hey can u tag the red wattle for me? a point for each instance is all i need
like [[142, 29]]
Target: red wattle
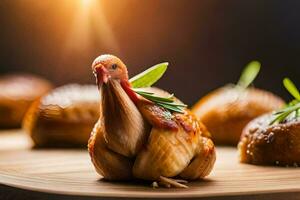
[[127, 88]]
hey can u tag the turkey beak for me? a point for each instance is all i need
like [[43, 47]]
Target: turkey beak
[[102, 74]]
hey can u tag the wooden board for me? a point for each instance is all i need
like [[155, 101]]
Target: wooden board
[[70, 172]]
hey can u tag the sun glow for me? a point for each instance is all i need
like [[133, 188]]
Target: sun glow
[[87, 2], [90, 22]]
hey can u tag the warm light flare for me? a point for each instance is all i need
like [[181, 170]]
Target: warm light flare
[[90, 22], [87, 3]]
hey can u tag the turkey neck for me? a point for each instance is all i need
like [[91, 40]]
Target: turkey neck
[[124, 127]]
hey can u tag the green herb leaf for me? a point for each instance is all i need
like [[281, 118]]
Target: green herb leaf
[[154, 97], [290, 86], [165, 102], [292, 107], [149, 77], [297, 113], [293, 102], [249, 74], [172, 108], [281, 115], [138, 90]]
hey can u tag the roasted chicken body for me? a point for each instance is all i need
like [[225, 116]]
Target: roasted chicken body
[[265, 144], [136, 138], [226, 111], [64, 117], [17, 92]]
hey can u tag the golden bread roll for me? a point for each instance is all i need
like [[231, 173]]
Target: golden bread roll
[[227, 110], [64, 117], [17, 92]]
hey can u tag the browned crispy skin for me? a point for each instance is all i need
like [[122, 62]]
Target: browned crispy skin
[[111, 165], [176, 145], [227, 110], [135, 138], [17, 93], [264, 144], [187, 152], [203, 161], [156, 116], [119, 134], [64, 117]]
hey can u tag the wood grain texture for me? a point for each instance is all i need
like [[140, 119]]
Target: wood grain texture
[[68, 172]]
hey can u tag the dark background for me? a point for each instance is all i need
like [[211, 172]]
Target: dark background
[[207, 42]]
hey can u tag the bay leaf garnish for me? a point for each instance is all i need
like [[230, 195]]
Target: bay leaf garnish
[[149, 76]]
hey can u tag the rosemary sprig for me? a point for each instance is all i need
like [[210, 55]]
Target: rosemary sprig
[[281, 115], [165, 102], [249, 74], [292, 108]]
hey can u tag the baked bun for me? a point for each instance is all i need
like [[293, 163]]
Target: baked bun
[[63, 118], [227, 110], [18, 91], [265, 144]]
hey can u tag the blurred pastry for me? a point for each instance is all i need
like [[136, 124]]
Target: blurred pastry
[[274, 138], [227, 110], [18, 91], [64, 117]]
